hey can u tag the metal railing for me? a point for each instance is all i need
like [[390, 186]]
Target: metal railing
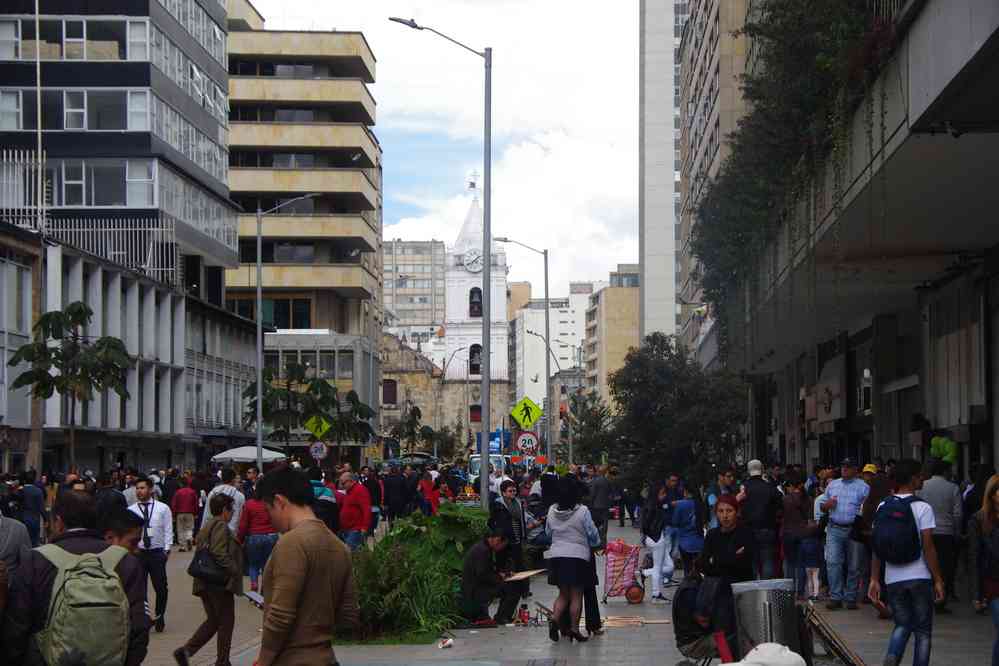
[[147, 245], [886, 10], [22, 199]]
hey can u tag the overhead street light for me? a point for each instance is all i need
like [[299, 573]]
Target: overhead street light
[[548, 339], [487, 55]]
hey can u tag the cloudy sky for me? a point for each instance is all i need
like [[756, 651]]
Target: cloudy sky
[[565, 110]]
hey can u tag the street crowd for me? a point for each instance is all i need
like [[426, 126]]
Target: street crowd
[[78, 552]]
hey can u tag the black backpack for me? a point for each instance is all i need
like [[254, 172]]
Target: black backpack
[[896, 537]]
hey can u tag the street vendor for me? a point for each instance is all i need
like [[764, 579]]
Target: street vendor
[[481, 582]]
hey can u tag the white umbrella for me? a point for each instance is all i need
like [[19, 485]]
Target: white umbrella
[[247, 454]]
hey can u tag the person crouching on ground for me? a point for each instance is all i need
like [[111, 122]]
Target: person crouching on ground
[[481, 582]]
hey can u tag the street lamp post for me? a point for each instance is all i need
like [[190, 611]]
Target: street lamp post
[[260, 323], [548, 340], [487, 258]]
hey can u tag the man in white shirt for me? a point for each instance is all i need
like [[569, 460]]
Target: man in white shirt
[[154, 546], [228, 487], [911, 587]]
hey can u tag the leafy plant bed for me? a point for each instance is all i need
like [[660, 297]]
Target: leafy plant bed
[[408, 583]]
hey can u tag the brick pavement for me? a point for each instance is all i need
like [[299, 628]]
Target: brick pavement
[[960, 639]]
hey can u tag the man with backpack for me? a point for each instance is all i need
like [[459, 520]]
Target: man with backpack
[[77, 597], [903, 540]]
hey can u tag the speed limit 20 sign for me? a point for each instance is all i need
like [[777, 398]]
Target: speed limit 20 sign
[[527, 443]]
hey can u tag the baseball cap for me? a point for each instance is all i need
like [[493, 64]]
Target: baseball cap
[[754, 467], [870, 467], [848, 462]]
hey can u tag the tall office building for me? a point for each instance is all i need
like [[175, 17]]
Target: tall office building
[[414, 288], [660, 26], [711, 103]]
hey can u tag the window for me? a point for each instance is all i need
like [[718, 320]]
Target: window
[[10, 109], [105, 183], [138, 40], [475, 302], [10, 42], [72, 183], [74, 40], [139, 183], [197, 82], [106, 40], [475, 360], [475, 414], [105, 110], [301, 313], [345, 365], [138, 110], [74, 109], [390, 391]]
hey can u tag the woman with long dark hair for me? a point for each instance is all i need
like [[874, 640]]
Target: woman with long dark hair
[[983, 546], [654, 527], [573, 535]]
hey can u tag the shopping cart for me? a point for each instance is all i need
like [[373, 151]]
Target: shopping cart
[[622, 577]]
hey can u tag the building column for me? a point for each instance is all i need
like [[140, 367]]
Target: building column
[[131, 324], [95, 329], [53, 301], [114, 329], [179, 359]]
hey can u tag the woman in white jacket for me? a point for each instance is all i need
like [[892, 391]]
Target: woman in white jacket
[[573, 535]]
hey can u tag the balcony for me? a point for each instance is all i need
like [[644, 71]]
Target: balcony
[[322, 92], [352, 182], [349, 50], [311, 136], [347, 280], [352, 230]]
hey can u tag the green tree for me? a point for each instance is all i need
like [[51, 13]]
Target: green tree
[[410, 429], [289, 402], [66, 361], [673, 416], [592, 426]]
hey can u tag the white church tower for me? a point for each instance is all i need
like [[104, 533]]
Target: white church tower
[[463, 317]]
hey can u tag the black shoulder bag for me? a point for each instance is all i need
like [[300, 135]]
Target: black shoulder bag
[[206, 568]]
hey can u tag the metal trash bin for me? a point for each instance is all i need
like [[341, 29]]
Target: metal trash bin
[[765, 612]]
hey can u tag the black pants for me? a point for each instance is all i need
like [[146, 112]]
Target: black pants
[[622, 506], [154, 562], [591, 606], [946, 546], [476, 605]]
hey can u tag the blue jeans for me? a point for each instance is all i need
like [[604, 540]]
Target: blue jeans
[[839, 555], [353, 538], [994, 608], [912, 604], [258, 549], [34, 525], [792, 563], [765, 564]]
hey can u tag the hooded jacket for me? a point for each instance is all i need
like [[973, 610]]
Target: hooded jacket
[[572, 531]]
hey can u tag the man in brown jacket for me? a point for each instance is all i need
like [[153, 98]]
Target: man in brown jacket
[[308, 585]]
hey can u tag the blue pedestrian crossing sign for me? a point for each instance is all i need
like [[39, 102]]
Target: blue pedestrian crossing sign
[[526, 413]]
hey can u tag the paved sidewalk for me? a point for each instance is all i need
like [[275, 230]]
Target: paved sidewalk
[[960, 639]]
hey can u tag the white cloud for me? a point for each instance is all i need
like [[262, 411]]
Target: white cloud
[[565, 94]]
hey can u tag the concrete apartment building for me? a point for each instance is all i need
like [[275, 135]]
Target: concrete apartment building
[[529, 352], [660, 26], [414, 288], [300, 111], [300, 115], [136, 221], [711, 104], [612, 327]]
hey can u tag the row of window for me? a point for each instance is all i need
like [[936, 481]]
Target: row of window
[[407, 269], [285, 70], [191, 203], [201, 26], [265, 114], [280, 313], [324, 363], [100, 109], [297, 252], [175, 129], [408, 283], [75, 38], [101, 182], [172, 61]]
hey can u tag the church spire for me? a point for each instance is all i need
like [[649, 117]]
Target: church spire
[[470, 235]]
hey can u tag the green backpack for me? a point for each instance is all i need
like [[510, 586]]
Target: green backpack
[[89, 610]]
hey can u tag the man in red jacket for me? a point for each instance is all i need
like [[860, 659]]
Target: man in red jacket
[[184, 507], [355, 511]]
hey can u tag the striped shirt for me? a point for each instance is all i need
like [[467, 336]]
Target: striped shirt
[[850, 496]]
